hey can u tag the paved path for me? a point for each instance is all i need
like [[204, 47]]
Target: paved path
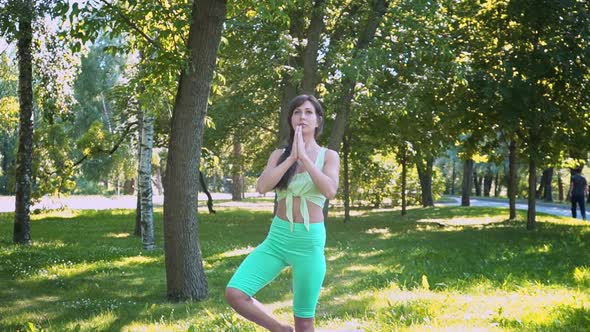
[[545, 208], [97, 202]]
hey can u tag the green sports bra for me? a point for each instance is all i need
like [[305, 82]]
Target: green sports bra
[[302, 186]]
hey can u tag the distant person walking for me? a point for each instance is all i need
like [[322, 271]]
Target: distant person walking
[[578, 193]]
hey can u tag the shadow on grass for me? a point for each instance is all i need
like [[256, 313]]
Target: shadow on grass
[[503, 255], [562, 319], [91, 253], [371, 252]]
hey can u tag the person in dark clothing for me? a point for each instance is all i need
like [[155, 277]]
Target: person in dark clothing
[[578, 193]]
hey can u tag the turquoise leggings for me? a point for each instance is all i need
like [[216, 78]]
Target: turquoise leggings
[[302, 250]]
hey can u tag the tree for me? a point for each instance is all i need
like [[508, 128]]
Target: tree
[[24, 36], [531, 64], [185, 275]]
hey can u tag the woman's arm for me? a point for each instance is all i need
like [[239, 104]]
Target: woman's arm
[[273, 173], [327, 179]]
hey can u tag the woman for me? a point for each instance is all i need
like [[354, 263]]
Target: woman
[[304, 176]]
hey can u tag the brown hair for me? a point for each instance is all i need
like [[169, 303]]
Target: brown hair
[[293, 104]]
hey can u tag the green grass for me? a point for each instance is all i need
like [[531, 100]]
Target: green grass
[[444, 269]]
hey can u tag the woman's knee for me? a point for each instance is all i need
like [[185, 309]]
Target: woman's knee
[[234, 295]]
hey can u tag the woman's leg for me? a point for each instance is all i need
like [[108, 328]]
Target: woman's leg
[[304, 324], [308, 276], [253, 310], [256, 271]]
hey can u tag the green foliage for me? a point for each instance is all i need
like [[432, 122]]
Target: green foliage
[[52, 164], [377, 180], [9, 111]]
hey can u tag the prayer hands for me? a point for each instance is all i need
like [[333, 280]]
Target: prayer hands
[[301, 153], [298, 152]]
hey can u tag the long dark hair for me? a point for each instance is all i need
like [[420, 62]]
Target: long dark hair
[[293, 104]]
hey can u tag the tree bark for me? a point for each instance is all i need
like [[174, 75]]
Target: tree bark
[[560, 186], [346, 176], [548, 191], [137, 231], [497, 184], [404, 179], [185, 275], [310, 54], [454, 177], [466, 186], [512, 180], [22, 225], [487, 182], [237, 176], [145, 183], [425, 176], [477, 181], [206, 191], [531, 213]]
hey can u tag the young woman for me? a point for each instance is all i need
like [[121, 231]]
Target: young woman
[[304, 175]]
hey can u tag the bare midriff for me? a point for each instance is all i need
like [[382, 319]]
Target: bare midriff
[[316, 213]]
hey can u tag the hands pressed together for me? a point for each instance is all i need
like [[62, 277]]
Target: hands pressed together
[[298, 150]]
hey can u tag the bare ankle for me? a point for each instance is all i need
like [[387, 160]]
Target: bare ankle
[[286, 328]]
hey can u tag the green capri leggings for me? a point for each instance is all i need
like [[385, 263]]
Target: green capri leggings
[[301, 249]]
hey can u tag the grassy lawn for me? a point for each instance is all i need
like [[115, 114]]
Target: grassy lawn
[[444, 269]]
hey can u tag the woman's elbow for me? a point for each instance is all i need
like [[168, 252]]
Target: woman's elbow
[[261, 189], [331, 193]]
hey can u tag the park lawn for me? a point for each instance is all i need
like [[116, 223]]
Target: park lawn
[[444, 269]]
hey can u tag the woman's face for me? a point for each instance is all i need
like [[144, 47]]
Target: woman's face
[[305, 116]]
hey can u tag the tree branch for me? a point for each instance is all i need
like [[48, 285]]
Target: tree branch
[[130, 24], [114, 148]]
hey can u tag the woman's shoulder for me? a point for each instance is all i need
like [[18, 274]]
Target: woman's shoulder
[[330, 153]]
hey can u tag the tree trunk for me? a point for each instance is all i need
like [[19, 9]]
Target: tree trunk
[[137, 231], [454, 177], [539, 190], [487, 182], [497, 184], [145, 183], [289, 92], [404, 179], [206, 191], [425, 175], [310, 54], [185, 276], [22, 225], [346, 176], [237, 177], [531, 213], [466, 186], [350, 80], [559, 186], [157, 180], [288, 83], [512, 180], [477, 180], [548, 191]]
